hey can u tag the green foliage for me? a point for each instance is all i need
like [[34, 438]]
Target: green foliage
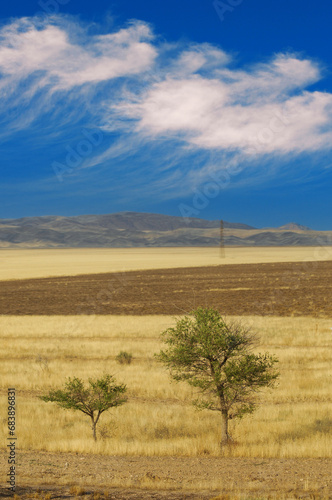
[[100, 395], [214, 357], [124, 358]]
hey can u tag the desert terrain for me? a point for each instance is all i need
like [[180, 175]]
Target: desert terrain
[[157, 445]]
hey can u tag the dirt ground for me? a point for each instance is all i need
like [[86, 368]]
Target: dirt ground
[[284, 289], [66, 475]]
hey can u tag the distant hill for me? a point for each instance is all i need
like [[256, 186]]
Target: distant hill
[[133, 229], [124, 220], [292, 226]]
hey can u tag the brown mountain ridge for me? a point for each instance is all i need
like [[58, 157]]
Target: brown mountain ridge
[[135, 229]]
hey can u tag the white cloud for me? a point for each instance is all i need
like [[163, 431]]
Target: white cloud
[[199, 57], [29, 46], [171, 108], [261, 110]]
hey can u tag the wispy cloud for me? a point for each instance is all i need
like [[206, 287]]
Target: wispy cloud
[[63, 55], [45, 63], [175, 113]]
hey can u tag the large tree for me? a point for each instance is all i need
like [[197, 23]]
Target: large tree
[[101, 395], [216, 357]]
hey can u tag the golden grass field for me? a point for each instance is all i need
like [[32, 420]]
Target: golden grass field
[[157, 441], [21, 264], [38, 353]]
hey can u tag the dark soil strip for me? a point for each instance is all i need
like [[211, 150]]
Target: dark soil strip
[[278, 289]]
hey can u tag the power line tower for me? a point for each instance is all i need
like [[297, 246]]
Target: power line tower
[[222, 243]]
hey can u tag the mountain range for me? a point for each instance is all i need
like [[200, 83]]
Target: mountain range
[[133, 229]]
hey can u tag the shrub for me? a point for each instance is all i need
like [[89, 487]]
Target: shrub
[[124, 358]]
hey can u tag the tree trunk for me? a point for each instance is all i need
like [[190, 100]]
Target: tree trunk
[[94, 429], [225, 437]]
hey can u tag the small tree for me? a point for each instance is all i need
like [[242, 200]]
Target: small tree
[[214, 356], [101, 395]]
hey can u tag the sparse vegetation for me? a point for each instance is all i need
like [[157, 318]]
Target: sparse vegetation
[[303, 396], [215, 357], [101, 395], [292, 423]]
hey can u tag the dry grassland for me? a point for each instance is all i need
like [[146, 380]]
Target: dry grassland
[[157, 445], [38, 353], [23, 264]]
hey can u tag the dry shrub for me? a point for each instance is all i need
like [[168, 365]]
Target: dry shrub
[[124, 358]]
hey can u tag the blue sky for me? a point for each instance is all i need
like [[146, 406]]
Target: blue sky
[[217, 109]]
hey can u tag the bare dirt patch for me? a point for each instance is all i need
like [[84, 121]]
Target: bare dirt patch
[[171, 478], [279, 289]]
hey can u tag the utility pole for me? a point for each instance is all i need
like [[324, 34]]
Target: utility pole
[[222, 243]]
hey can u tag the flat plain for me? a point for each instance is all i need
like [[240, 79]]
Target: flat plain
[[40, 263], [157, 445]]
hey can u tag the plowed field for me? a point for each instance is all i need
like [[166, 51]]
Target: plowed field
[[170, 478], [284, 289]]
